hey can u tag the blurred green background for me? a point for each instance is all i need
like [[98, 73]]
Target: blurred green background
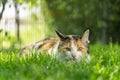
[[102, 17]]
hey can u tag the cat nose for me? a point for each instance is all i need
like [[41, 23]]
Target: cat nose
[[73, 55]]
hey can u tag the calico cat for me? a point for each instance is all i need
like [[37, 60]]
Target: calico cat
[[65, 47]]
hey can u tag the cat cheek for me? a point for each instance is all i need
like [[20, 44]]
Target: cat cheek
[[79, 54], [68, 55]]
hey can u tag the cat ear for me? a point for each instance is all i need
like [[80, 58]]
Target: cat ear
[[60, 35], [85, 37]]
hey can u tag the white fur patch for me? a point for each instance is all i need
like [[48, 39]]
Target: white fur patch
[[73, 47], [88, 58], [78, 54], [55, 48], [53, 51]]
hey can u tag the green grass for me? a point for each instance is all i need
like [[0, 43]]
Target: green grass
[[104, 65]]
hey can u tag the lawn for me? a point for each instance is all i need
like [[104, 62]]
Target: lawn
[[104, 65]]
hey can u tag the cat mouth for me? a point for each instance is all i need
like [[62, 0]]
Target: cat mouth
[[72, 59]]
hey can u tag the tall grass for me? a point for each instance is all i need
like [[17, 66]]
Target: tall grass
[[104, 65]]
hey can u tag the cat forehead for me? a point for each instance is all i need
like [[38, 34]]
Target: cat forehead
[[73, 37], [76, 40]]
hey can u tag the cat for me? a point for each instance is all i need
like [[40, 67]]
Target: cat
[[65, 47]]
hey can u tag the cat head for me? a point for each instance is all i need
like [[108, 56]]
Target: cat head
[[73, 47]]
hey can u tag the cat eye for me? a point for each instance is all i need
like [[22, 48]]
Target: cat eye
[[68, 49], [80, 48]]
